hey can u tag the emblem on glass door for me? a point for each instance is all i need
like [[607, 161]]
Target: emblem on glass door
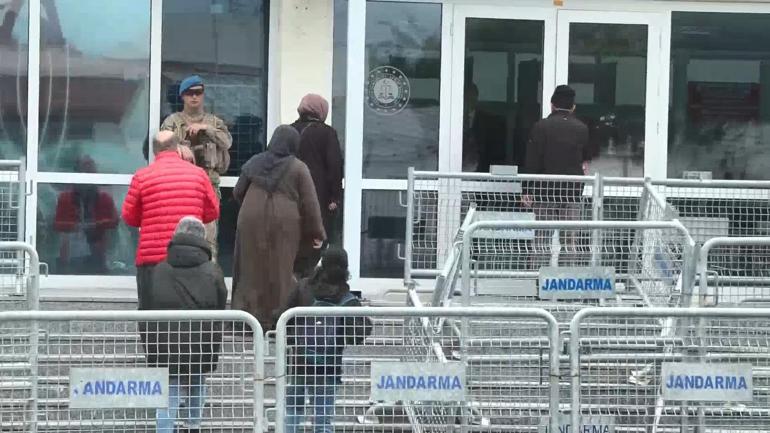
[[388, 90]]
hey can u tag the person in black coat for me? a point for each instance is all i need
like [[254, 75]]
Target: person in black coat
[[318, 342], [186, 280]]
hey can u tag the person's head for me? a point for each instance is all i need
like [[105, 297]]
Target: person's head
[[471, 97], [164, 141], [563, 98], [313, 107], [285, 141], [191, 226], [191, 90], [334, 266], [85, 164]]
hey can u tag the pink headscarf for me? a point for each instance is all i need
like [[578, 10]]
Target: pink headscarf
[[313, 106]]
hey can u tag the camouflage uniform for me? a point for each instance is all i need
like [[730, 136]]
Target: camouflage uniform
[[211, 153]]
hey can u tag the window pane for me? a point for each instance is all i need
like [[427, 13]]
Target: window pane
[[503, 88], [94, 84], [608, 70], [340, 68], [80, 232], [14, 23], [403, 64], [720, 95], [226, 44], [384, 226]]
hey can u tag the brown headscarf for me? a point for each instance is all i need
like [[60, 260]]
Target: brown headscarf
[[313, 107]]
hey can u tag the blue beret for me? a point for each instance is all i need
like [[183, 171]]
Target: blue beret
[[191, 81]]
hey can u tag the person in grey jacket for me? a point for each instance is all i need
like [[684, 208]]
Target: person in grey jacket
[[187, 280]]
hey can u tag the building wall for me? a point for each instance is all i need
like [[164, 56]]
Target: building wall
[[305, 52]]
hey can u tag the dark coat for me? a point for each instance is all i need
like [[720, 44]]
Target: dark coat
[[186, 280], [558, 145], [351, 330], [319, 149]]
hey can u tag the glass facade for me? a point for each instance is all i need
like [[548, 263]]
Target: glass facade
[[14, 47], [719, 116], [225, 42], [403, 85], [94, 90], [80, 232], [383, 225]]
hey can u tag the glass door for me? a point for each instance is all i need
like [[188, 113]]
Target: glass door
[[612, 60], [503, 66]]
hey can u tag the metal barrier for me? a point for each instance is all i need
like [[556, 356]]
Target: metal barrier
[[19, 274], [407, 374], [438, 202], [655, 259], [13, 197], [734, 272], [671, 369], [79, 371]]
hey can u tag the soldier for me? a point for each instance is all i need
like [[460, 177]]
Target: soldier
[[206, 135]]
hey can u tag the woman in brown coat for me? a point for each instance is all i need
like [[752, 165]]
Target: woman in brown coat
[[279, 212], [319, 149]]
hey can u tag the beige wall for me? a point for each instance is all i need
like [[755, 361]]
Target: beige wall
[[304, 52]]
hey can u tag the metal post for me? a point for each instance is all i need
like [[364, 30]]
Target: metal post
[[21, 213], [280, 371], [596, 215], [408, 247]]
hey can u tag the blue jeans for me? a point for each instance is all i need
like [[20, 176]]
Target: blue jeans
[[322, 391], [196, 391]]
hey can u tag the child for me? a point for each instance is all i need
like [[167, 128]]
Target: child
[[318, 342]]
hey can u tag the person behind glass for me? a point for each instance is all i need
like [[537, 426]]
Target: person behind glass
[[279, 210], [557, 145], [319, 149], [84, 217], [207, 136], [187, 280], [159, 196], [318, 342]]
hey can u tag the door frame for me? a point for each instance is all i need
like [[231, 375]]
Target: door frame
[[463, 12], [656, 105]]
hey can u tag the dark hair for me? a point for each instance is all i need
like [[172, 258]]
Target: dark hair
[[334, 266], [563, 97]]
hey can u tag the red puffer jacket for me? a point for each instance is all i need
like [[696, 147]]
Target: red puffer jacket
[[159, 196]]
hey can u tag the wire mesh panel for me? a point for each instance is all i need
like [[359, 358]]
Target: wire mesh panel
[[19, 273], [673, 370], [438, 202], [648, 258], [416, 369], [735, 272], [719, 208], [130, 371], [12, 200]]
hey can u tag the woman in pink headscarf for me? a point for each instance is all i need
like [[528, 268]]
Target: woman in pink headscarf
[[319, 149]]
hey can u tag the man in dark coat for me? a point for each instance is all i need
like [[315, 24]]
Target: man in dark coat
[[186, 280], [319, 149], [557, 145]]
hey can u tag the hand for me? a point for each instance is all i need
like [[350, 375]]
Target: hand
[[196, 128], [332, 206], [585, 168], [317, 244], [527, 200]]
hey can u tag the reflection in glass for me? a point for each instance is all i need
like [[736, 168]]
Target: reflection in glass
[[383, 223], [403, 64], [720, 95], [14, 49], [79, 230], [228, 221], [94, 83], [226, 44], [503, 89], [608, 70]]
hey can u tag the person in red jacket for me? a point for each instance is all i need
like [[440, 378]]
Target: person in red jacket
[[160, 195], [85, 217]]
